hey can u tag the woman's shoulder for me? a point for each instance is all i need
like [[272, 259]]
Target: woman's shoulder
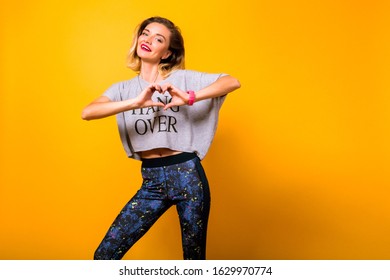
[[183, 73], [124, 84], [117, 89], [127, 82]]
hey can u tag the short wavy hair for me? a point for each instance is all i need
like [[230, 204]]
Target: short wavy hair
[[176, 46]]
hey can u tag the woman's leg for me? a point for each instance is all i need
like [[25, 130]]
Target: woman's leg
[[131, 224], [136, 218], [193, 210]]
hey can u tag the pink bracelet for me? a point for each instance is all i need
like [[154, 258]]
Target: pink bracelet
[[191, 99]]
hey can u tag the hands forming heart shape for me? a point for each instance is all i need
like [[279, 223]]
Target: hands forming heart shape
[[179, 97]]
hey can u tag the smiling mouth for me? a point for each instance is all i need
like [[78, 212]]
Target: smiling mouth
[[145, 48]]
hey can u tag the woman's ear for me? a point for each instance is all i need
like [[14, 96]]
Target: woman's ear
[[166, 55]]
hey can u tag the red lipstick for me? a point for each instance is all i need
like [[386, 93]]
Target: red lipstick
[[145, 48]]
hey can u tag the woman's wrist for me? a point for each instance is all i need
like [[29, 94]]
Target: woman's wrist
[[191, 97]]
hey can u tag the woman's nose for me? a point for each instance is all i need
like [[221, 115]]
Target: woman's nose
[[148, 40]]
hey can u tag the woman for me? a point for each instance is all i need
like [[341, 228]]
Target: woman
[[167, 117]]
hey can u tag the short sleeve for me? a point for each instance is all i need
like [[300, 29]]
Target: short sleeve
[[199, 80], [113, 92]]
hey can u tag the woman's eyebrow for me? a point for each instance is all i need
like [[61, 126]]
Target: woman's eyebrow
[[158, 34]]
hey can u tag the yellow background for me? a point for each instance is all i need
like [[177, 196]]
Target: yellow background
[[299, 168]]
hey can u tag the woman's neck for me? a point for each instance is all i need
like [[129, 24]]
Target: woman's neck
[[149, 72]]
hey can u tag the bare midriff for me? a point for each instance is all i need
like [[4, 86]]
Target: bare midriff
[[157, 153]]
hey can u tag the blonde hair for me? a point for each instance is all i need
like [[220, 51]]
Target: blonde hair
[[176, 46]]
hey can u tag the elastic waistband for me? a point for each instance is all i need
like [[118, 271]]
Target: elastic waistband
[[169, 160]]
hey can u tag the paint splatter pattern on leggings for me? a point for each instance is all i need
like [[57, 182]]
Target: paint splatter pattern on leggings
[[184, 185]]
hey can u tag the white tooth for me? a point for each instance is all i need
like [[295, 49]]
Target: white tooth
[[145, 47]]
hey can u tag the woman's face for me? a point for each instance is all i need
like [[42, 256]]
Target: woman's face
[[153, 43]]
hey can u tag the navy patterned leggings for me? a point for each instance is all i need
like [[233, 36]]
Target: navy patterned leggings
[[175, 180]]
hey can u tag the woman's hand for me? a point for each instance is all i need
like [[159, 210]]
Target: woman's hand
[[144, 99], [179, 97]]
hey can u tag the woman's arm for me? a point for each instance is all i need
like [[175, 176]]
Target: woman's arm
[[220, 87], [103, 107]]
